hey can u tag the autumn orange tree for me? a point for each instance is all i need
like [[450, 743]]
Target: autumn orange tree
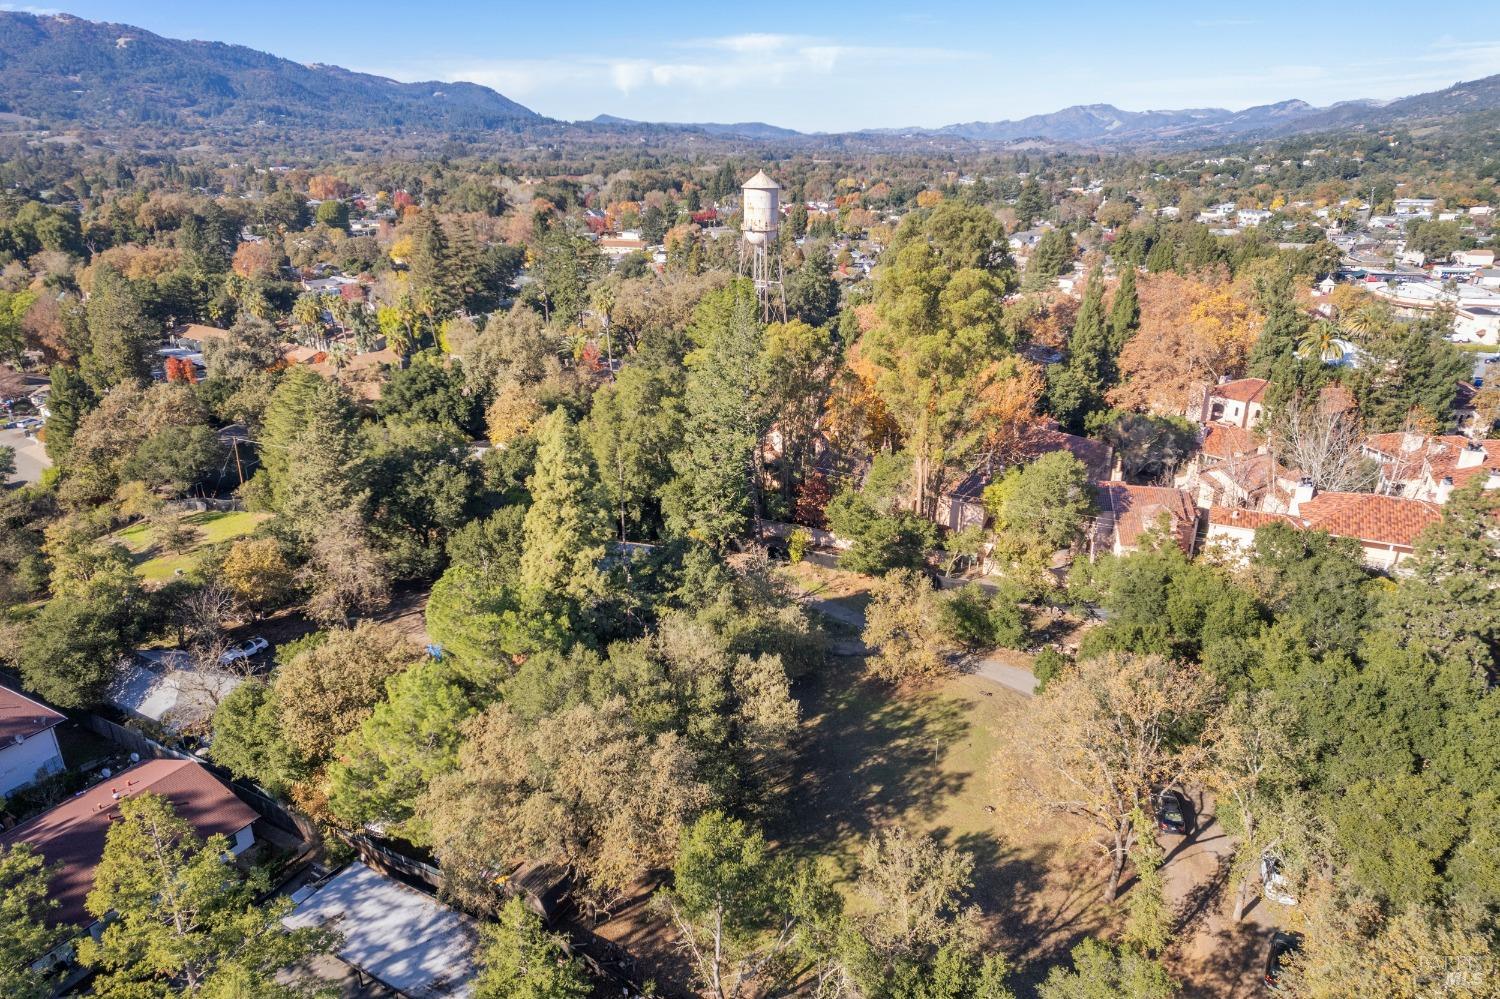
[[1193, 330]]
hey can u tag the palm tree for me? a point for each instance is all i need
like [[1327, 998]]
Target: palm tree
[[1364, 322], [307, 313], [1322, 339]]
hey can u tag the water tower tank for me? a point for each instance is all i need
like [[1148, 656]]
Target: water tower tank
[[761, 200]]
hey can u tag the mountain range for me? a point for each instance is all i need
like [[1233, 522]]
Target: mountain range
[[64, 69], [60, 70]]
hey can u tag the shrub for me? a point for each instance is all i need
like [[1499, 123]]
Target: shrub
[[798, 544], [977, 619], [1048, 664]]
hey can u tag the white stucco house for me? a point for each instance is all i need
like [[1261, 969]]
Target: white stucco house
[[28, 741]]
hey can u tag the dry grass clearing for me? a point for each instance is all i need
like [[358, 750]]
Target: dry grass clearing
[[872, 756]]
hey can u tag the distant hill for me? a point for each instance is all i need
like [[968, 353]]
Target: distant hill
[[1098, 125], [62, 69], [1106, 125], [743, 129]]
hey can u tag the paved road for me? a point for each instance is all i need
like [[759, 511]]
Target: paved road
[[31, 456], [990, 667]]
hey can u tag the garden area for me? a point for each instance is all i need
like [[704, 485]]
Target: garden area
[[163, 548]]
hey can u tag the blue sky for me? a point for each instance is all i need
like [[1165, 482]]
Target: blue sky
[[838, 66]]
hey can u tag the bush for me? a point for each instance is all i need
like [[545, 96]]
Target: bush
[[798, 544], [879, 543], [1048, 664], [977, 619]]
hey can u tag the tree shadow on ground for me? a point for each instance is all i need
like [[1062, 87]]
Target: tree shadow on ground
[[1036, 905], [1229, 964], [866, 759]]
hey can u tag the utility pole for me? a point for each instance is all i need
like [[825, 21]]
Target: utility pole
[[239, 469]]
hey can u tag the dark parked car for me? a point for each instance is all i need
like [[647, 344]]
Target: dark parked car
[[1173, 814], [1282, 944]]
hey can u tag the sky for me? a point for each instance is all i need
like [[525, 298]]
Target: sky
[[844, 66]]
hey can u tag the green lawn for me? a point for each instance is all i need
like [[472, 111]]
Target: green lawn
[[210, 528]]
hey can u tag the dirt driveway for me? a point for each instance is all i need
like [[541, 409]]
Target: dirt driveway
[[1216, 957]]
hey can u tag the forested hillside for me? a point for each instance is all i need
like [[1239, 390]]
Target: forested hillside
[[62, 69]]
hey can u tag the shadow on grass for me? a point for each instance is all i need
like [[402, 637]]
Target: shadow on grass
[[869, 757], [1035, 923], [866, 758]]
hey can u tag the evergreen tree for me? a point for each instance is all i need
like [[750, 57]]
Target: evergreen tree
[[1103, 972], [1411, 370], [796, 219], [1161, 256], [567, 526], [182, 922], [653, 226], [430, 261], [248, 740], [1049, 258], [717, 469], [1124, 311], [1091, 365], [1282, 329], [70, 400], [521, 960], [1448, 607], [812, 295], [385, 765], [303, 403], [567, 262], [1031, 204], [121, 339], [25, 935], [634, 424]]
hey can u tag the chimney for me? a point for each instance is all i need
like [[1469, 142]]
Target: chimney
[[1471, 456], [1444, 490], [1493, 482], [1305, 491]]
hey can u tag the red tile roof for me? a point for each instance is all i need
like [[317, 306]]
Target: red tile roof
[[1249, 520], [21, 717], [1241, 390], [1440, 455], [1384, 520], [1224, 440], [72, 834], [1135, 509], [1444, 461]]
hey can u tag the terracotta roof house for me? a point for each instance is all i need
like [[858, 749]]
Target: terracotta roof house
[[1386, 527], [72, 834], [1430, 468], [1225, 440], [1126, 512], [1240, 402], [28, 744], [1254, 480]]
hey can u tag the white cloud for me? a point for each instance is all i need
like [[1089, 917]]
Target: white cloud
[[742, 61]]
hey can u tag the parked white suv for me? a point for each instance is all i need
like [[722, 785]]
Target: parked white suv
[[254, 646]]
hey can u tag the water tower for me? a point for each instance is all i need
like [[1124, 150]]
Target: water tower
[[760, 228]]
